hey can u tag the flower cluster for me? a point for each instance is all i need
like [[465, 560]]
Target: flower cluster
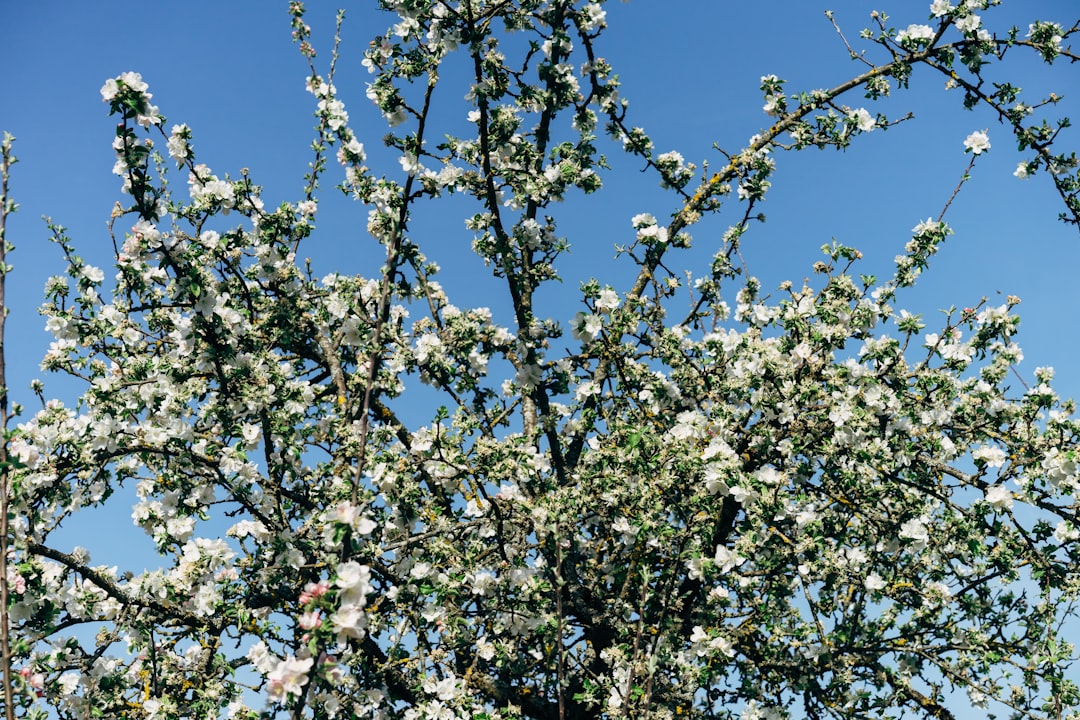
[[127, 95]]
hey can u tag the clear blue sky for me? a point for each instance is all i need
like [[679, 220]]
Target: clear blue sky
[[691, 70]]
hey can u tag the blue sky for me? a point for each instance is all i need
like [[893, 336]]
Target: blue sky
[[690, 69]]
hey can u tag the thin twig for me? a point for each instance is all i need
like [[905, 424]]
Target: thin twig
[[5, 469], [956, 191]]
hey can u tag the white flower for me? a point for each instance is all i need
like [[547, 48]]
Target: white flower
[[134, 81], [874, 582], [915, 530], [93, 274], [109, 89], [915, 34], [352, 575], [741, 494], [354, 580], [940, 7], [350, 621], [977, 142], [999, 497], [352, 151], [428, 345], [806, 516], [927, 225], [348, 514], [863, 119], [1021, 171], [587, 326], [177, 143], [726, 560], [607, 301], [528, 376], [938, 591], [659, 235], [968, 23], [724, 646], [260, 657], [593, 17], [180, 528], [68, 683], [206, 599], [483, 583], [1065, 532], [1049, 33], [443, 689], [24, 451], [485, 649], [410, 164], [992, 456]]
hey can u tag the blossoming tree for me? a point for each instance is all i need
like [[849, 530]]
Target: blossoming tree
[[701, 497]]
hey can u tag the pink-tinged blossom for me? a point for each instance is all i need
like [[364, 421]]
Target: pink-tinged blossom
[[313, 591], [288, 678], [26, 453]]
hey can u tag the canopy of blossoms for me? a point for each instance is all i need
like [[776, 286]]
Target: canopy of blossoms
[[701, 497]]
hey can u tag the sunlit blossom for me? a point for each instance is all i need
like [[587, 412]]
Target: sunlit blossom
[[977, 142]]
